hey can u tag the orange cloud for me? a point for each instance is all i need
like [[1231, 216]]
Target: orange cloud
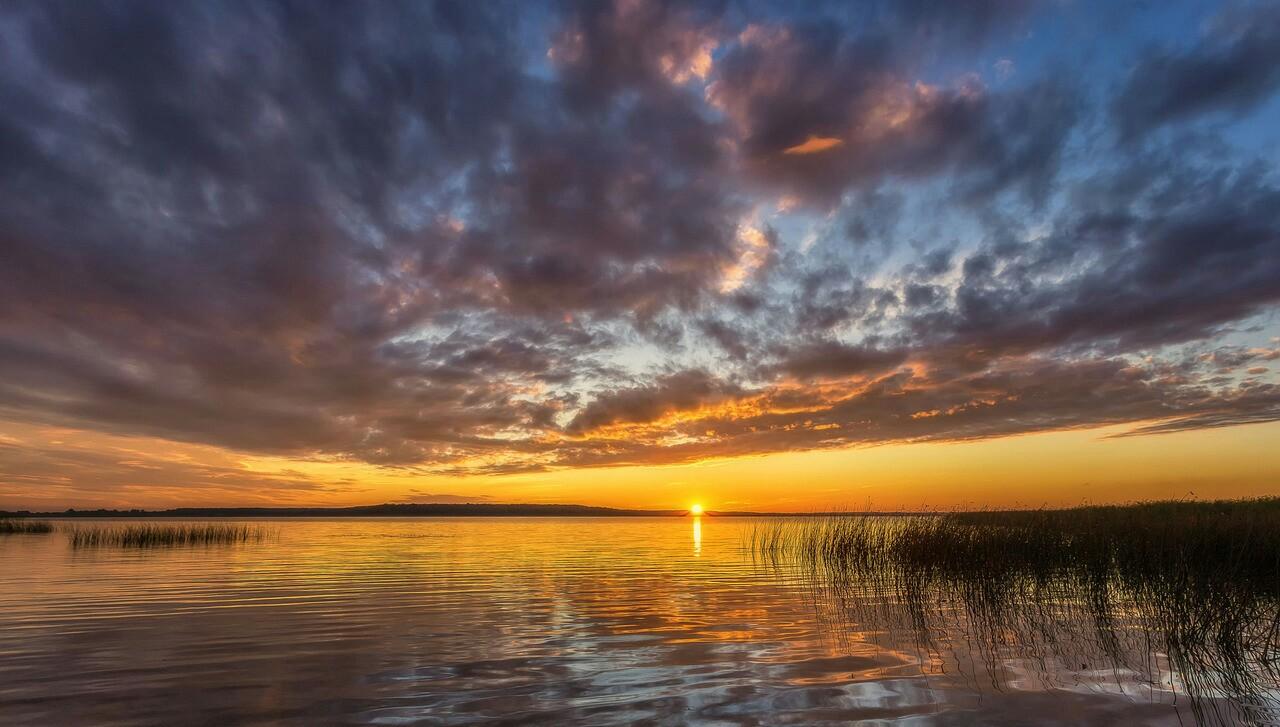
[[753, 253], [814, 145]]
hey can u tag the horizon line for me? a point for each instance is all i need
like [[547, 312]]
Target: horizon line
[[491, 509]]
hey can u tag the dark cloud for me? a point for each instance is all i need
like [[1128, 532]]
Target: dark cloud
[[1232, 70], [829, 359], [644, 404], [231, 226], [1195, 250], [820, 111], [603, 48], [962, 23]]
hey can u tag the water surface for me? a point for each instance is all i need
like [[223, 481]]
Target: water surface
[[443, 621]]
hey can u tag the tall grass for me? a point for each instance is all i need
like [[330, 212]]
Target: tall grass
[[9, 526], [1197, 584], [152, 535]]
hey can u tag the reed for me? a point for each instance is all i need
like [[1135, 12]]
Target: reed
[[17, 526], [151, 535], [1196, 581]]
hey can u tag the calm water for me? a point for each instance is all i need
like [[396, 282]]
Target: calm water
[[517, 621]]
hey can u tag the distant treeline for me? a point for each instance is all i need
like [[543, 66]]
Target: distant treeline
[[423, 510], [387, 510]]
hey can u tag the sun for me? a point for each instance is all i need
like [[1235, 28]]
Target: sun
[[695, 509]]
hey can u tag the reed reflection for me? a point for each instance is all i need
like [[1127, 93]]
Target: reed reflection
[[1159, 600]]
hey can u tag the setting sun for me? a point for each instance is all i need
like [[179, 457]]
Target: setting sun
[[695, 509]]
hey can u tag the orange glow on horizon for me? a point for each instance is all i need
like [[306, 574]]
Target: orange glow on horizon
[[1054, 469]]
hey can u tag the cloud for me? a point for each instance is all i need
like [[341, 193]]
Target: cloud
[[483, 238], [420, 497], [814, 145], [1231, 70], [1187, 254], [1004, 68], [819, 111], [830, 359], [60, 468], [1011, 396], [669, 394]]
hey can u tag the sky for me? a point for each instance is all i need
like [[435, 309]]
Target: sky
[[637, 253]]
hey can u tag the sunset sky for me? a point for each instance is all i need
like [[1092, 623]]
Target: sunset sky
[[636, 253]]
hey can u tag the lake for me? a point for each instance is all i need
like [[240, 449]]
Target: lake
[[552, 621]]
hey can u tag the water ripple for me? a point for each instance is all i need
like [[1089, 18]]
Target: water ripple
[[455, 621]]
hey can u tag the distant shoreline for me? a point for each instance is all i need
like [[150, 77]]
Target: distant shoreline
[[412, 510], [477, 509]]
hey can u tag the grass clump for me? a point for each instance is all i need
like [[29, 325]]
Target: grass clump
[[1196, 583], [151, 535], [15, 526]]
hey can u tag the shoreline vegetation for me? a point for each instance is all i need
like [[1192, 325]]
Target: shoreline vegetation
[[1184, 596], [143, 535], [150, 535], [22, 526]]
